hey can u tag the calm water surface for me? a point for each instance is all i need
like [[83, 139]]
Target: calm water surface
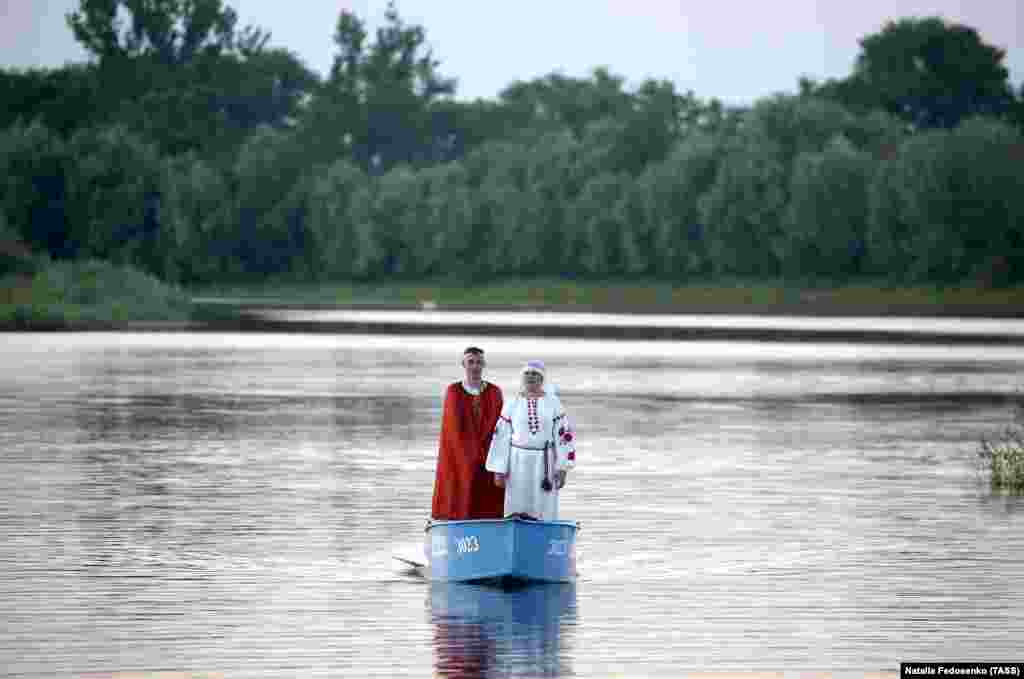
[[231, 503]]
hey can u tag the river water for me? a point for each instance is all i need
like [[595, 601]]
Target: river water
[[230, 503]]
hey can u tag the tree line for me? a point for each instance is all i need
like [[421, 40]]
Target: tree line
[[192, 149]]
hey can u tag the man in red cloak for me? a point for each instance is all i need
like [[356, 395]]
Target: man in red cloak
[[463, 488]]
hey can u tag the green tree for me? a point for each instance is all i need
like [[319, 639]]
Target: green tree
[[624, 131], [556, 172], [271, 234], [798, 125], [504, 223], [596, 239], [1018, 111], [449, 232], [182, 72], [389, 221], [741, 213], [928, 72], [334, 240], [637, 238], [375, 107], [458, 127], [825, 224], [557, 101], [34, 166], [673, 191], [950, 207], [63, 99], [249, 90], [195, 216], [169, 31], [113, 198], [653, 124], [368, 255]]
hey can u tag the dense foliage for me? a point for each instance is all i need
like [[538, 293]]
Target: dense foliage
[[68, 292], [190, 149]]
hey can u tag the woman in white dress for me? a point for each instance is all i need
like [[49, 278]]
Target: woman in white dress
[[533, 448]]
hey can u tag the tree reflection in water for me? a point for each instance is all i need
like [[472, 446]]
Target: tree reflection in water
[[488, 631]]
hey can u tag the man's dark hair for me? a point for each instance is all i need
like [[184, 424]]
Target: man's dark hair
[[473, 350]]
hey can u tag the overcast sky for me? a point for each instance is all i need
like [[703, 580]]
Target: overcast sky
[[736, 51]]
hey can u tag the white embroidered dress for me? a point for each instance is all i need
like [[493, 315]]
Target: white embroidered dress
[[525, 426]]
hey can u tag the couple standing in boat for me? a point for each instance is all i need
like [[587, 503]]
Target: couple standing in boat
[[499, 458]]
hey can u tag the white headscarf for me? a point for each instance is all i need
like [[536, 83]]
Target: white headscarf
[[534, 366]]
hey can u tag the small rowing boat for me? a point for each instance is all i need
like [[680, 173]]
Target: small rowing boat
[[511, 549]]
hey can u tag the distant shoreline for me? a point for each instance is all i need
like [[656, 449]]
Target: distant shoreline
[[238, 309], [803, 308], [747, 298], [236, 319]]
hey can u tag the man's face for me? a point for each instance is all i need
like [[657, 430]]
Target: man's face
[[474, 365]]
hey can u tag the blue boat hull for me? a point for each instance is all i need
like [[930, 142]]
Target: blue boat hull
[[502, 549]]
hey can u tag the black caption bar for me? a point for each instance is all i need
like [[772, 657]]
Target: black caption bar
[[992, 670]]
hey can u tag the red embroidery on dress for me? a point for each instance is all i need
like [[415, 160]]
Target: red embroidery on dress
[[572, 455], [531, 414]]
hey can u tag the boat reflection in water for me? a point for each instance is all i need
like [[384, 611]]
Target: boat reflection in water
[[487, 631]]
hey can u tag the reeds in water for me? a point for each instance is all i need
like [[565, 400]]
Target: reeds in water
[[1003, 459]]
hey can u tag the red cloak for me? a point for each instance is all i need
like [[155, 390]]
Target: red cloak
[[463, 488]]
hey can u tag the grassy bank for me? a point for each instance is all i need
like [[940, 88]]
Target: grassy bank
[[647, 296], [88, 292], [92, 291]]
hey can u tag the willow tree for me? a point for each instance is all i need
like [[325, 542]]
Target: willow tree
[[450, 232], [392, 216], [950, 207], [674, 188], [825, 224], [742, 211], [505, 209], [266, 171], [595, 240], [335, 242], [113, 198], [556, 175], [795, 125], [195, 213]]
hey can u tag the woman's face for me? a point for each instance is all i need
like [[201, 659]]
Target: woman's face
[[532, 380]]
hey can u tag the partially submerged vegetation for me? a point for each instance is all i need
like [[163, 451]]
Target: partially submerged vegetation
[[1003, 460]]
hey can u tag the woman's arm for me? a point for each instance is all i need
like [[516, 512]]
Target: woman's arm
[[564, 436], [498, 453]]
